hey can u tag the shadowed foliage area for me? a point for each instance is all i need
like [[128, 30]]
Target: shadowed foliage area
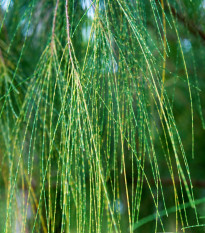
[[102, 116]]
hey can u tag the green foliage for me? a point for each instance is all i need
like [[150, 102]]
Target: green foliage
[[100, 109]]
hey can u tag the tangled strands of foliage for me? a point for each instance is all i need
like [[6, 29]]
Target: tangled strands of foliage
[[87, 124]]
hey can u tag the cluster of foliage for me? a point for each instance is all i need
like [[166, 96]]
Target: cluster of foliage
[[101, 115]]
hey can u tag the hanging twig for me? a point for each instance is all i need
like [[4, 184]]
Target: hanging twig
[[165, 47], [68, 32], [54, 25]]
